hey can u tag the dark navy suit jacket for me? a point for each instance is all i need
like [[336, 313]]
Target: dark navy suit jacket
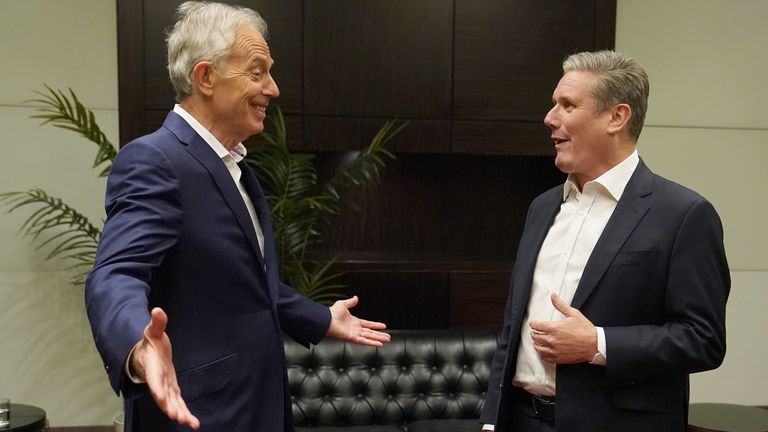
[[178, 236], [657, 282]]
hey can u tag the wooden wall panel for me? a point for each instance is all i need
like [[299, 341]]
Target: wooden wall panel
[[378, 58], [508, 55], [477, 299]]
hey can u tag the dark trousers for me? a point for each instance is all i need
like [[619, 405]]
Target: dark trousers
[[524, 419]]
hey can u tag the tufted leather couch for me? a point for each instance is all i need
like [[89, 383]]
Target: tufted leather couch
[[421, 381]]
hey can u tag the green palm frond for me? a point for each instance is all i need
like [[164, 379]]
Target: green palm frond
[[68, 234], [301, 208], [315, 280], [67, 112]]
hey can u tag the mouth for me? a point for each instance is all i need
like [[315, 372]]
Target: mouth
[[556, 140], [259, 108]]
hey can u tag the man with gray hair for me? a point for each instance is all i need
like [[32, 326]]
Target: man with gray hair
[[187, 257], [620, 282]]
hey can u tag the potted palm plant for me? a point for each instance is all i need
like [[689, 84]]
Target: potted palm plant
[[301, 205]]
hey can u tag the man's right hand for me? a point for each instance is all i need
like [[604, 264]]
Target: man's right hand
[[151, 361]]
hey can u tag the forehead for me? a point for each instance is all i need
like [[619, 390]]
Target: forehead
[[574, 85], [250, 45]]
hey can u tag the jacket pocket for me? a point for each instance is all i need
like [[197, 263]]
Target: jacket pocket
[[208, 378]]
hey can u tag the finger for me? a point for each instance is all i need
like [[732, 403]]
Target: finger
[[157, 323], [376, 335], [186, 415], [543, 326], [375, 325], [563, 307]]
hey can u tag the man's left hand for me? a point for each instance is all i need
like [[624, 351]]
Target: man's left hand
[[350, 328], [570, 340]]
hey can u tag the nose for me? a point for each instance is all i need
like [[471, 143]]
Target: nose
[[551, 118], [271, 89]]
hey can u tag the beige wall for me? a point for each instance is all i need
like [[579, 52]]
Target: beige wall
[[47, 356], [705, 129]]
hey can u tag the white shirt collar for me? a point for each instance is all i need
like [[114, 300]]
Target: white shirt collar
[[238, 152], [613, 181]]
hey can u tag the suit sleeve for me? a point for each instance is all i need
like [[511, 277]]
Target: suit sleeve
[[306, 321], [697, 286], [143, 215]]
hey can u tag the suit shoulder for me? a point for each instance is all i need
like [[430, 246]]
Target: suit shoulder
[[674, 191], [553, 193]]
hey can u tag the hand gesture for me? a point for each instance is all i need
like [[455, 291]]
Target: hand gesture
[[350, 328], [570, 340], [152, 362]]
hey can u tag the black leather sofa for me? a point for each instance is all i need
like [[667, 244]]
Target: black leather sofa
[[420, 381]]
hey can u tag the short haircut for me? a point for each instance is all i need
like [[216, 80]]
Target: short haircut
[[619, 79], [205, 32]]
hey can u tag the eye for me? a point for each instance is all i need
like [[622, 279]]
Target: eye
[[256, 74]]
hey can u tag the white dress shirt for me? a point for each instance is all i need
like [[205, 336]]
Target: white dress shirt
[[578, 225], [230, 159]]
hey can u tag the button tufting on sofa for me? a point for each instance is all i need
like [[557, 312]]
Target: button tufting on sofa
[[420, 378]]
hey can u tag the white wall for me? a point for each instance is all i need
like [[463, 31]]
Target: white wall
[[47, 356], [706, 128]]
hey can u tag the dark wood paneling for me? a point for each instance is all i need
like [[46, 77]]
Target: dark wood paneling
[[477, 299], [354, 133], [159, 17], [443, 207], [378, 58], [403, 300], [130, 72], [508, 55], [605, 24], [501, 138]]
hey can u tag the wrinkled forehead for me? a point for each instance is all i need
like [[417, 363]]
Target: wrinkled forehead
[[251, 46]]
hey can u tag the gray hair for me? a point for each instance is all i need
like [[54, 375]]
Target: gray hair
[[204, 32], [619, 79]]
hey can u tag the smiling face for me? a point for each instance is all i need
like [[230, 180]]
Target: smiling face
[[580, 135], [242, 89]]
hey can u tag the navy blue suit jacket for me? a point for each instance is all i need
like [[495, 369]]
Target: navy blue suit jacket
[[178, 236], [657, 282]]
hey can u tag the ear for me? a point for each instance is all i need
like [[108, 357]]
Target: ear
[[204, 77], [620, 115]]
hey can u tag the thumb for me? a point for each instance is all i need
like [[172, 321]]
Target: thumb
[[157, 323], [351, 302], [563, 307]]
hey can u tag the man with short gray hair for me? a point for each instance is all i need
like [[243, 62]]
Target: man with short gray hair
[[620, 282], [187, 256]]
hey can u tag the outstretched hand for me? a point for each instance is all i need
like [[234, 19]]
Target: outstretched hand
[[570, 340], [152, 362], [350, 328]]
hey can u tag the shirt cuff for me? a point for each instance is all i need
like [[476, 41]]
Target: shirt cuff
[[600, 359], [127, 368], [488, 427]]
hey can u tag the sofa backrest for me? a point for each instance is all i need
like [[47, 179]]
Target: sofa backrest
[[418, 375]]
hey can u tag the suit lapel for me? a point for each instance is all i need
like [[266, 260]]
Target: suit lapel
[[265, 221], [204, 154], [528, 252], [629, 211]]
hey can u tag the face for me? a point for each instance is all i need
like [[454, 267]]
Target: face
[[242, 89], [578, 132]]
